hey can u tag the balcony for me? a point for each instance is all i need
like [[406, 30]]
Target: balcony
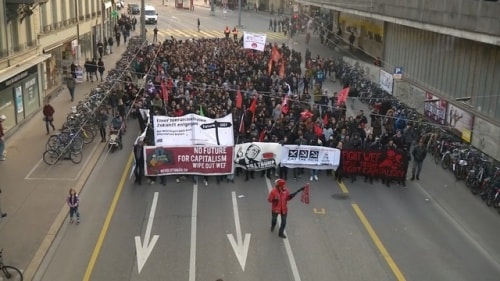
[[4, 53], [32, 43], [93, 14], [82, 18]]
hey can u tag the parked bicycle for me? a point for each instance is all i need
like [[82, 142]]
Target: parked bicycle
[[10, 272]]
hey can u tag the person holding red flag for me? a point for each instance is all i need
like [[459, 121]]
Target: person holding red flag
[[279, 197]]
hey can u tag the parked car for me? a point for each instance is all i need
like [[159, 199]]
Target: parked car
[[133, 9]]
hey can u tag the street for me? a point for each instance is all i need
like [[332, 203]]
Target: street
[[433, 230]]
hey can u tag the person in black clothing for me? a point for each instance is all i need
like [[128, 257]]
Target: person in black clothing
[[93, 70], [155, 34], [88, 69], [73, 69], [419, 153], [139, 161], [100, 68], [100, 48], [117, 37], [110, 44], [198, 24]]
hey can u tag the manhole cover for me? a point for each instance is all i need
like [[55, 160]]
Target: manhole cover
[[341, 196]]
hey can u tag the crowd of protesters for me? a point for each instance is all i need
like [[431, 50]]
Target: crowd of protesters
[[271, 98]]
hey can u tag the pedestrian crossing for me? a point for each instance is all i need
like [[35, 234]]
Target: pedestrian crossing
[[195, 34]]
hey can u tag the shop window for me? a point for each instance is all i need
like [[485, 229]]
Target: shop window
[[7, 108]]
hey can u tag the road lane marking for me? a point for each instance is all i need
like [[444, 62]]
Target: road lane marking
[[343, 187], [378, 243], [144, 250], [192, 251], [107, 221], [288, 248], [320, 211], [240, 245]]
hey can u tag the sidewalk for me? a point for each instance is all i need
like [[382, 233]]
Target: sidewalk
[[33, 193]]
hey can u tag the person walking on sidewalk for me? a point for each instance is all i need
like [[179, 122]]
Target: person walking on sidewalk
[[117, 37], [102, 117], [2, 214], [100, 48], [73, 202], [155, 34], [100, 68], [279, 197], [110, 44], [419, 153], [198, 24], [2, 138], [71, 84], [88, 69], [48, 116]]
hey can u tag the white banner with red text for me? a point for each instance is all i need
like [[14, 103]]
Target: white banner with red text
[[254, 41], [193, 130], [310, 157], [183, 160]]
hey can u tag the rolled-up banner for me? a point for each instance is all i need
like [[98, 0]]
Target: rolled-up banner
[[257, 156], [310, 157]]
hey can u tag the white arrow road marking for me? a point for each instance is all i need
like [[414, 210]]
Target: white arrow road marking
[[240, 245], [144, 250]]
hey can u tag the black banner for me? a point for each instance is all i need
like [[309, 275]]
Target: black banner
[[386, 164]]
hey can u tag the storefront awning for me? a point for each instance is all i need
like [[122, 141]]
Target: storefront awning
[[24, 65]]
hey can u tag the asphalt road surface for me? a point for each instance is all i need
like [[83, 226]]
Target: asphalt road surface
[[432, 230]]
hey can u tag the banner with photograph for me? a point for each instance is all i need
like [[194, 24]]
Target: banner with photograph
[[257, 156], [461, 122], [193, 129], [385, 164], [435, 108], [310, 157], [200, 160], [254, 41], [386, 81]]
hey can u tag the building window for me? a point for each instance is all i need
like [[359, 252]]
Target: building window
[[64, 11], [29, 32], [43, 18], [92, 2], [15, 35], [72, 12], [55, 18], [81, 12]]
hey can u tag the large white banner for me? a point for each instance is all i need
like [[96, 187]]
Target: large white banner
[[256, 156], [254, 41], [386, 81], [311, 157], [193, 129]]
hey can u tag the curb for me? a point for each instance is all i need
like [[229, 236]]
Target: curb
[[49, 238]]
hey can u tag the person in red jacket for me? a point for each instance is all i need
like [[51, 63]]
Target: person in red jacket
[[279, 197]]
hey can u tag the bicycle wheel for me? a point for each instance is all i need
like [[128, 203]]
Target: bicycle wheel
[[12, 273], [50, 157], [76, 157], [446, 162], [87, 136], [52, 142]]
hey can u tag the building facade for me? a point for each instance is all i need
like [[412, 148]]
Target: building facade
[[446, 55], [38, 42]]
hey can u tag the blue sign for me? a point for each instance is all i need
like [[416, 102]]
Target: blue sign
[[398, 73]]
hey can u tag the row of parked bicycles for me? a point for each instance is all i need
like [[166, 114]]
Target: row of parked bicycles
[[480, 173], [82, 124]]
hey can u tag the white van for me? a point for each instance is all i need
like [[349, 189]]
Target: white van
[[150, 15]]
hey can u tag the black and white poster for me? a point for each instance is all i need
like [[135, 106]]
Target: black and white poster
[[310, 157], [257, 156]]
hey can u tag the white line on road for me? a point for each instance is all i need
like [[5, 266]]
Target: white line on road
[[240, 245], [143, 250], [288, 248], [192, 252]]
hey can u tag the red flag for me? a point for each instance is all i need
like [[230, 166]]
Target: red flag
[[325, 120], [304, 197], [282, 69], [284, 105], [270, 66], [262, 135], [253, 108], [342, 97], [318, 131], [242, 124], [164, 92], [275, 54], [306, 114], [239, 100]]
